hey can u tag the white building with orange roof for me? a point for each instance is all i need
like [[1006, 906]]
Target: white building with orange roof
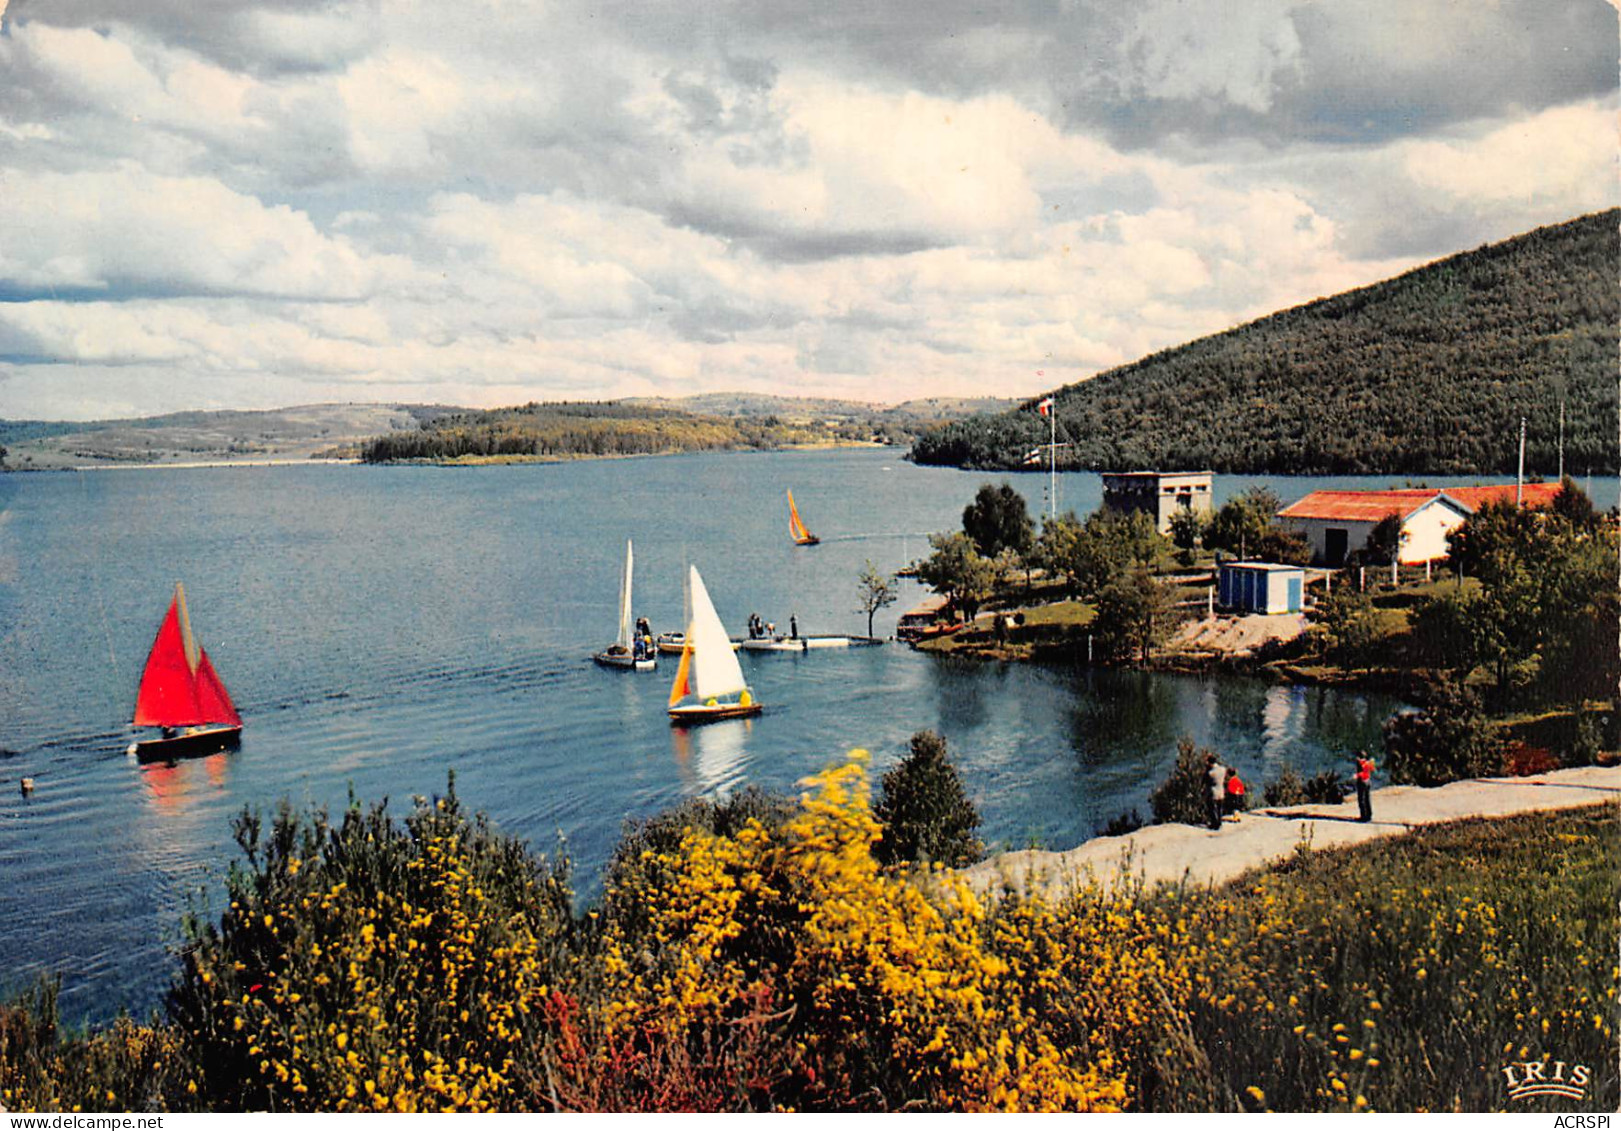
[[1338, 523]]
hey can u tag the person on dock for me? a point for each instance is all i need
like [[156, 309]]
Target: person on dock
[[1216, 795], [1235, 793], [1364, 785]]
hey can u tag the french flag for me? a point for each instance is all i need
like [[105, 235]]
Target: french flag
[[1045, 407]]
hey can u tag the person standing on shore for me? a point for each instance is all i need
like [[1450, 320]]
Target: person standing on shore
[[1364, 785], [1216, 795]]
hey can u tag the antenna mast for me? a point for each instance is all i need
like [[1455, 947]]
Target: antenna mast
[[1561, 439], [1519, 479]]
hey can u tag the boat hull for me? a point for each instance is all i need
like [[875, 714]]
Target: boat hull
[[704, 713], [195, 744], [671, 643], [811, 541], [804, 643], [626, 662]]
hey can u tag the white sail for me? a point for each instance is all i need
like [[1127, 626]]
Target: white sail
[[715, 671], [624, 640]]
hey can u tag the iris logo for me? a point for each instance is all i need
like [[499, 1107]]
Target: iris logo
[[1546, 1077]]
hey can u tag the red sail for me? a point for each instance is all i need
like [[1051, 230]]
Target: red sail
[[168, 695], [212, 698]]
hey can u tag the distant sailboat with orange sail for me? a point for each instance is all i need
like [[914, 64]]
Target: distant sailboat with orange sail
[[182, 693], [796, 527]]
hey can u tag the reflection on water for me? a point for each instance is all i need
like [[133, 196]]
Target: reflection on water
[[170, 785], [711, 757]]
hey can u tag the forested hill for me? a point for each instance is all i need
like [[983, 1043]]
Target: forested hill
[[1429, 373], [570, 430]]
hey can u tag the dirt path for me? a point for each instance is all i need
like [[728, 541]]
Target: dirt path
[[1171, 853], [1234, 636]]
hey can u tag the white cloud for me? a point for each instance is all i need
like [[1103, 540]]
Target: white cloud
[[1212, 49], [522, 202], [127, 231], [1564, 157]]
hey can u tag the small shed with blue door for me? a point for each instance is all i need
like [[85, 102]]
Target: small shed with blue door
[[1261, 587]]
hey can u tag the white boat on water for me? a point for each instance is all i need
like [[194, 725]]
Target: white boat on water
[[628, 650], [709, 684], [673, 643]]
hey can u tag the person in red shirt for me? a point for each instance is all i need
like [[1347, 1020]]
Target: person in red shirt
[[1364, 785], [1235, 793]]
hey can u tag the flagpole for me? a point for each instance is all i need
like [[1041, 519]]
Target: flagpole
[[1052, 459], [1519, 479]]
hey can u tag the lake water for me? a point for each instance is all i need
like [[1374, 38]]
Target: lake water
[[379, 627]]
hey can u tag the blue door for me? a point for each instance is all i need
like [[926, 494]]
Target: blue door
[[1294, 595]]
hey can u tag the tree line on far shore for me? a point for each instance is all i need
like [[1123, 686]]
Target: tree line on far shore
[[585, 429]]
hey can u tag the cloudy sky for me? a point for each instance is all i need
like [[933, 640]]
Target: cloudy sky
[[257, 203]]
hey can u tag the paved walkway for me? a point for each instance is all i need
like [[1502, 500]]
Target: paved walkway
[[1209, 856]]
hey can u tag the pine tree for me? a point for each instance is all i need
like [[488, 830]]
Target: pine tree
[[925, 811]]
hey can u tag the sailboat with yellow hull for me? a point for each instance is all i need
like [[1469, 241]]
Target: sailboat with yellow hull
[[709, 684]]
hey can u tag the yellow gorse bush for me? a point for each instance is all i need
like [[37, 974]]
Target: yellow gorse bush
[[766, 961], [370, 968], [888, 998]]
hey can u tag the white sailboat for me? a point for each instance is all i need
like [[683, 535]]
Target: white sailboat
[[627, 651], [709, 685]]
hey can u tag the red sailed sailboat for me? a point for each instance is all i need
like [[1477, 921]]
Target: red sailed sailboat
[[181, 692]]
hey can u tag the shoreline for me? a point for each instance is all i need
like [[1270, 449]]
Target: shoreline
[[461, 461], [1260, 837]]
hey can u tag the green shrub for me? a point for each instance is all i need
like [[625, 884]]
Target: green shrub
[[1589, 742], [123, 1067], [1326, 788], [1285, 789], [924, 811], [1182, 797], [373, 964], [1122, 824], [1449, 739]]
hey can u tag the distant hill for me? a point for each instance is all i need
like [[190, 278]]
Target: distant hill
[[565, 430], [303, 432], [1426, 373], [887, 423]]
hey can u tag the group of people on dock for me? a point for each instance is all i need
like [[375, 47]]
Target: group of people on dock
[[1225, 795], [765, 630]]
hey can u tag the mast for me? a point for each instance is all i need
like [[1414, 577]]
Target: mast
[[1519, 480], [1561, 439], [1052, 460], [187, 640], [1048, 407], [624, 598]]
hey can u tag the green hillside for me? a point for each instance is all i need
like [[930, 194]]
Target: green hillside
[[571, 430], [1426, 373]]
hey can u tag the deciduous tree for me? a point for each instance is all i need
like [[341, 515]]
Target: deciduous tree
[[875, 591]]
